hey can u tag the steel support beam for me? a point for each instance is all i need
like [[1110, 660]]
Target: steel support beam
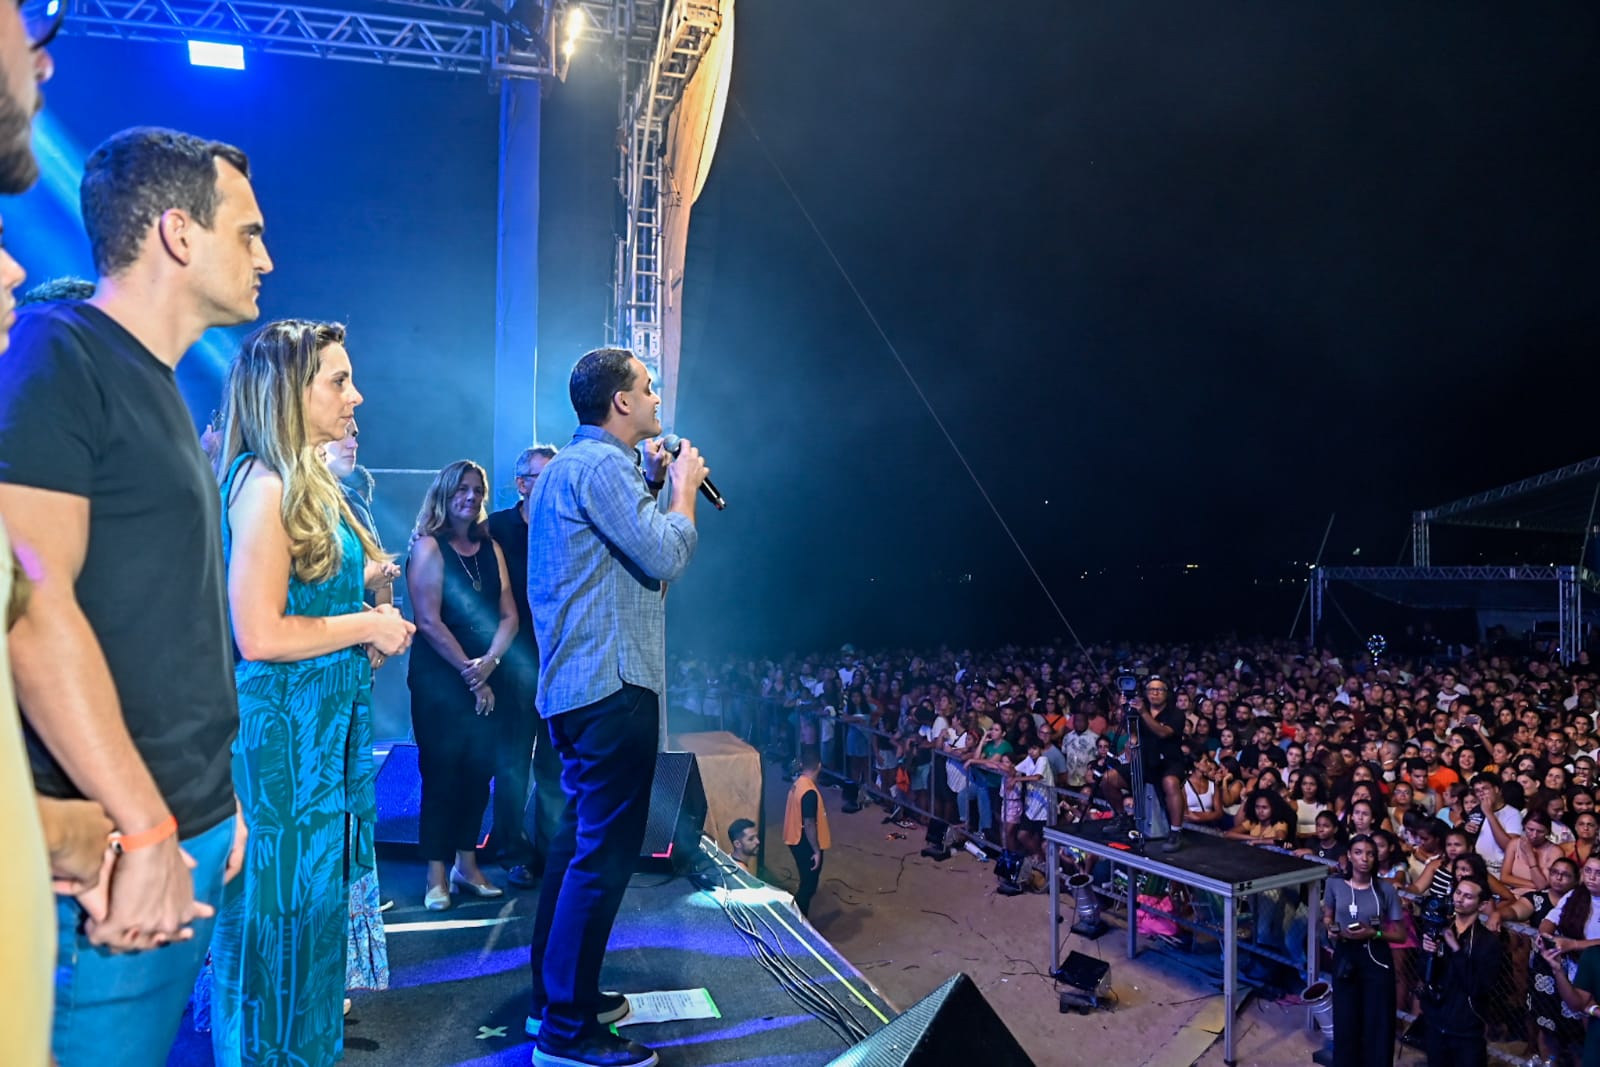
[[473, 37], [1421, 550], [516, 320]]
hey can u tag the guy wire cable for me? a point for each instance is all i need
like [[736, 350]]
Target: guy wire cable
[[906, 370]]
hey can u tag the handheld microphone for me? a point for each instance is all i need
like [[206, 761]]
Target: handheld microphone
[[672, 443]]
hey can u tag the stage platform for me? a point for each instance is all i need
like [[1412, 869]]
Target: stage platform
[[1231, 869], [458, 992]]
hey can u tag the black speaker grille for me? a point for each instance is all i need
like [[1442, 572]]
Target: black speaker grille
[[953, 1024], [677, 810]]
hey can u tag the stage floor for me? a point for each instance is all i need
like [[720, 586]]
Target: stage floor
[[458, 992]]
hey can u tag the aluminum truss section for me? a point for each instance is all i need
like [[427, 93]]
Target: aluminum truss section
[[1569, 613], [1458, 510], [1512, 573], [686, 28], [1421, 549], [450, 36], [1570, 582]]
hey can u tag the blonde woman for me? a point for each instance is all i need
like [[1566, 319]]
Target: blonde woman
[[467, 616], [297, 566]]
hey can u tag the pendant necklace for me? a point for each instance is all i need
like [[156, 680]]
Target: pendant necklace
[[473, 573]]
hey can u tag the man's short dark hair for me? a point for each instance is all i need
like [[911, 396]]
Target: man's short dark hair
[[57, 290], [1489, 780], [599, 375], [137, 175], [738, 828], [1483, 890]]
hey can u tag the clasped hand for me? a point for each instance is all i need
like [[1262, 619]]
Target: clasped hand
[[476, 672]]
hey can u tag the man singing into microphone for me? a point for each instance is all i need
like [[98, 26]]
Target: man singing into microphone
[[600, 555]]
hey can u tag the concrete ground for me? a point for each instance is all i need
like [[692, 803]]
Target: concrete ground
[[909, 923]]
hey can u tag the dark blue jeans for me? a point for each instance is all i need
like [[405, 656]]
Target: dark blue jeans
[[608, 763]]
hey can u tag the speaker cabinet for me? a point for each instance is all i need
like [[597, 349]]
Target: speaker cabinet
[[953, 1024], [677, 812]]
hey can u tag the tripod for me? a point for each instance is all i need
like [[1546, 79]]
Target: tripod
[[1149, 810], [1139, 832]]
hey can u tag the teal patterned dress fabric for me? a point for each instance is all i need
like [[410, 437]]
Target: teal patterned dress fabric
[[302, 767]]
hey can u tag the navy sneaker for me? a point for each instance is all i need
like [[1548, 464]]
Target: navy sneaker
[[613, 1008], [599, 1050]]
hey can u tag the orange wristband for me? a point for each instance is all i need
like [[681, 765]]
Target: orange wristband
[[125, 843]]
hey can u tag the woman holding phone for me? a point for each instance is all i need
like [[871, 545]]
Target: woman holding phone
[[1362, 915]]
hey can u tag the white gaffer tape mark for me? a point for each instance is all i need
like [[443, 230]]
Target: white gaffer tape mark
[[447, 924]]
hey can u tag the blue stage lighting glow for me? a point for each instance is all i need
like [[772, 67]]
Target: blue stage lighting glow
[[212, 54], [51, 8]]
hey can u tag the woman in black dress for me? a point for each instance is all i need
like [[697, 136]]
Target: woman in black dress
[[467, 617]]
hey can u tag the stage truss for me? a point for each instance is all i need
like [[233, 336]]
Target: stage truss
[[660, 44], [1568, 584], [449, 36]]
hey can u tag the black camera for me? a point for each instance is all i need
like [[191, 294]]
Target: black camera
[[1433, 919], [1128, 683]]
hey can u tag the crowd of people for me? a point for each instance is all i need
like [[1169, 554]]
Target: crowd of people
[[1469, 777], [193, 622]]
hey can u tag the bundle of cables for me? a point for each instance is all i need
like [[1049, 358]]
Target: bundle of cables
[[767, 947]]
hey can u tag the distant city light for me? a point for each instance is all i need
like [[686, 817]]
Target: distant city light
[[212, 54]]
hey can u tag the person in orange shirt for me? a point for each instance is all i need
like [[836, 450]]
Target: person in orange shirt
[[805, 828], [1440, 777]]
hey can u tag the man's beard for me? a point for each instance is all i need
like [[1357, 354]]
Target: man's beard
[[18, 168]]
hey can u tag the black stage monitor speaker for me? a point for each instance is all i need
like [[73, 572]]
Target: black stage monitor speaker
[[953, 1024], [677, 813]]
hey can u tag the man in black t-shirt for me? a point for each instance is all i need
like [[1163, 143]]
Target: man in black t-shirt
[[1160, 752], [124, 666], [521, 725]]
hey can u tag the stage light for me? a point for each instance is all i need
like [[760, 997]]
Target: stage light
[[574, 29], [1089, 924], [213, 54], [51, 8]]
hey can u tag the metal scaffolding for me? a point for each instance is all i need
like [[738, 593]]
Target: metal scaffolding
[[660, 44], [1569, 582], [449, 36], [660, 66]]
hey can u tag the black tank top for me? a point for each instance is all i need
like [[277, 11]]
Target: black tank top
[[469, 600]]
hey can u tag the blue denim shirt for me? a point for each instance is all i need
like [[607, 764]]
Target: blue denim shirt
[[600, 553]]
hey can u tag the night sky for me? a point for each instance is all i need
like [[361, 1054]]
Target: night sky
[[1181, 280]]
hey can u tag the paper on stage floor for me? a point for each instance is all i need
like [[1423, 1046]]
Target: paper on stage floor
[[670, 1005]]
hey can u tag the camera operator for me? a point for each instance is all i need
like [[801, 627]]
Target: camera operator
[[1158, 745], [1362, 916], [1468, 960]]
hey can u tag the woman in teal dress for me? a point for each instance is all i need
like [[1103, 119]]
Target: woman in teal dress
[[302, 764]]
